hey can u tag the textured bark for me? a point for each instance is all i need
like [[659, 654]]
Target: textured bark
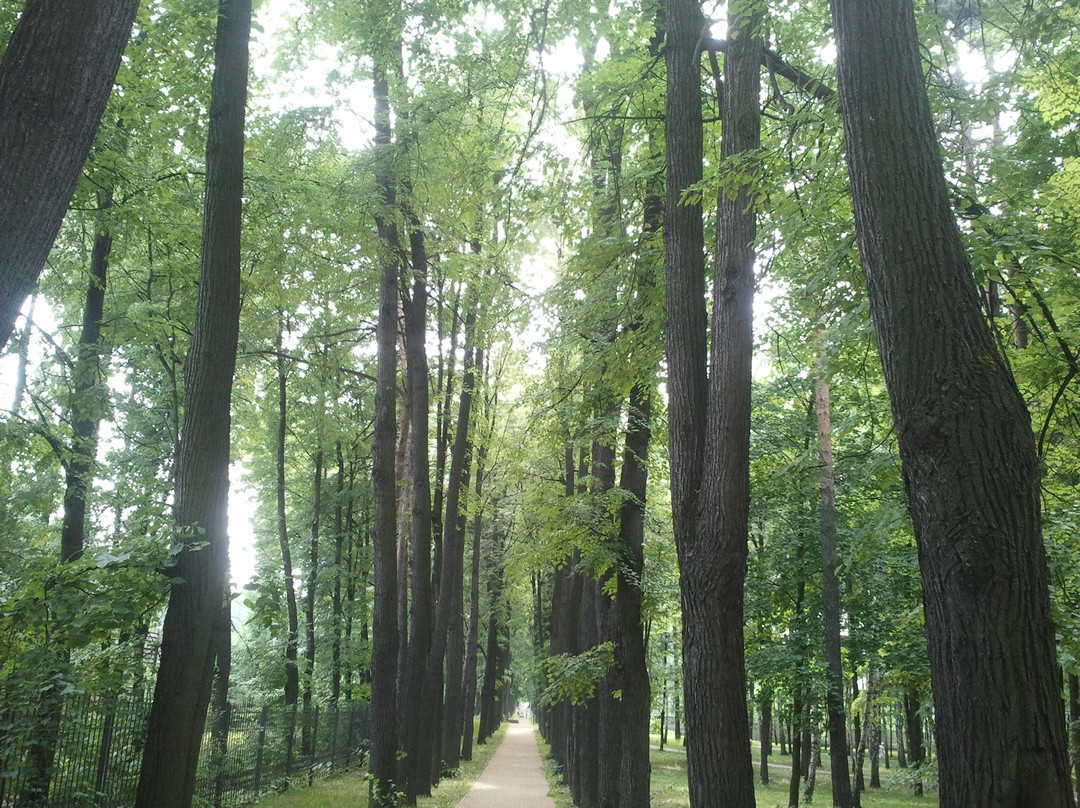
[[966, 447], [712, 555], [382, 762], [632, 674], [292, 640], [830, 589], [414, 308], [188, 652], [55, 78]]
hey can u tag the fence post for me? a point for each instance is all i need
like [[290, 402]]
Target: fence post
[[263, 718]]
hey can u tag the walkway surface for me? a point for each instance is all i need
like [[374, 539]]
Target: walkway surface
[[514, 778]]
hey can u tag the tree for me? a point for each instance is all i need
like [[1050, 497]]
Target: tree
[[193, 620], [710, 414], [55, 79], [384, 651], [965, 437]]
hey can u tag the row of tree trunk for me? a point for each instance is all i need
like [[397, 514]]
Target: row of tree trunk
[[424, 668]]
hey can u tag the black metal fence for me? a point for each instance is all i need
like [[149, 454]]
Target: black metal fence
[[267, 749]]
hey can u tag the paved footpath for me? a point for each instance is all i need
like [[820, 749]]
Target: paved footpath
[[514, 778]]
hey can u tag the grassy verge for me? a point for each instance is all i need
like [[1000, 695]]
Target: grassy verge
[[669, 789], [350, 790]]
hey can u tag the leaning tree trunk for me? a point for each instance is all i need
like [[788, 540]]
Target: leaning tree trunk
[[966, 447], [188, 653], [55, 78]]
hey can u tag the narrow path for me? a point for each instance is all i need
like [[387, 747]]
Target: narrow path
[[514, 778]]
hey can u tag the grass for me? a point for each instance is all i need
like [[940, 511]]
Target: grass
[[669, 789], [350, 790]]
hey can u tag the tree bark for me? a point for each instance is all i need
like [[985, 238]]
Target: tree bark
[[414, 308], [631, 665], [382, 764], [55, 78], [830, 588], [966, 447], [188, 652], [712, 553]]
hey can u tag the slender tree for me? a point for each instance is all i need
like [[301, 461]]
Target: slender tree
[[966, 445], [830, 594], [194, 616]]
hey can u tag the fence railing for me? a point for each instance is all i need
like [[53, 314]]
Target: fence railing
[[99, 751]]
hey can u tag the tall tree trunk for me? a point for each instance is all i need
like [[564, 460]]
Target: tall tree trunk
[[473, 639], [632, 676], [339, 547], [916, 752], [55, 78], [966, 446], [796, 748], [414, 307], [403, 500], [859, 784], [489, 695], [309, 611], [185, 675], [292, 640], [766, 734], [713, 549], [85, 410], [450, 577], [382, 764], [830, 588]]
